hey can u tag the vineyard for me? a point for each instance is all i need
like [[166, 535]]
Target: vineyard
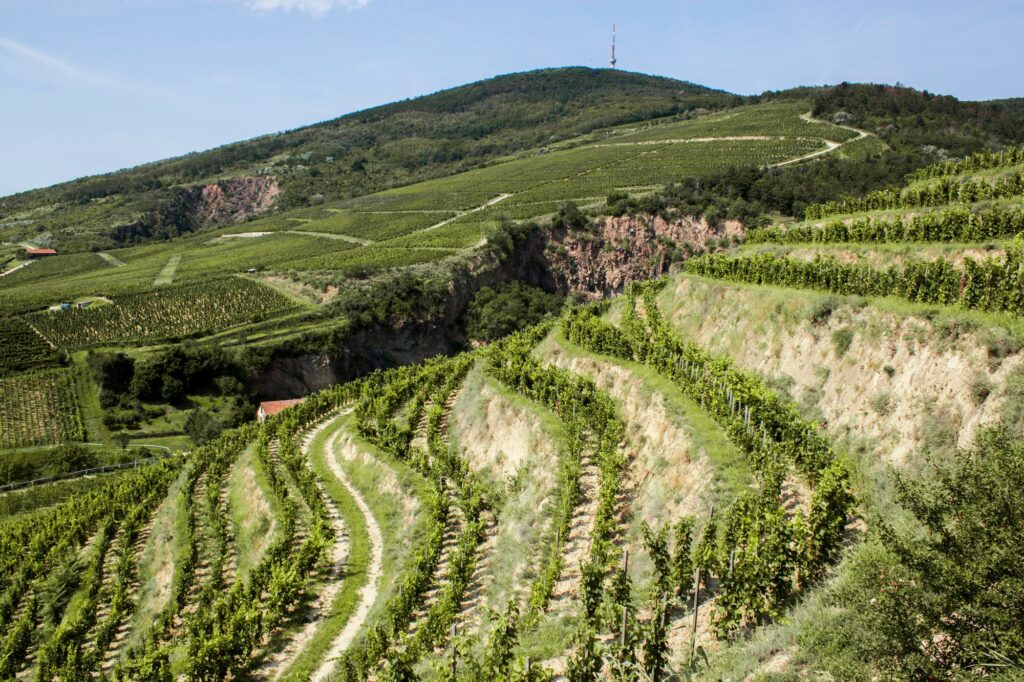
[[793, 453], [291, 602], [39, 408], [21, 347], [172, 312], [401, 227]]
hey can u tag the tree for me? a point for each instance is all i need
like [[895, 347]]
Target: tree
[[946, 594], [122, 439], [500, 311], [201, 426], [569, 217]]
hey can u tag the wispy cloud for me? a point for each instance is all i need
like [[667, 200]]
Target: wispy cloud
[[314, 7], [64, 68]]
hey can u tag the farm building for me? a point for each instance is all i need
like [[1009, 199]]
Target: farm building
[[40, 253], [268, 408]]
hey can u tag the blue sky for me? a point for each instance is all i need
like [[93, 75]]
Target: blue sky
[[90, 86]]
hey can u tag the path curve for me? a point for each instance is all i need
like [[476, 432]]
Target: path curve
[[463, 214], [340, 553], [368, 592], [830, 146]]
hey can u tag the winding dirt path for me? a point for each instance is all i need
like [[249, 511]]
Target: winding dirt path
[[368, 593], [830, 146], [462, 214], [282, 660]]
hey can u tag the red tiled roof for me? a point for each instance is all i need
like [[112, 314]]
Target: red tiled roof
[[41, 252], [272, 407]]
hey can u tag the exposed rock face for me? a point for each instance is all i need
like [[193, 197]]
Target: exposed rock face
[[601, 262], [297, 376], [232, 200], [194, 208], [594, 263]]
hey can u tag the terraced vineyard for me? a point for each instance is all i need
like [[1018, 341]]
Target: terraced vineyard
[[962, 213], [325, 595], [795, 456]]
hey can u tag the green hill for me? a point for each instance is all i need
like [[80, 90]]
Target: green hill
[[394, 144]]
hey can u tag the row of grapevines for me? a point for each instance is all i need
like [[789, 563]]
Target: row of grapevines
[[593, 428], [383, 394], [954, 224], [472, 500], [174, 312], [21, 347], [39, 408], [32, 548], [990, 284], [1012, 156], [947, 191], [764, 550], [227, 626], [223, 635]]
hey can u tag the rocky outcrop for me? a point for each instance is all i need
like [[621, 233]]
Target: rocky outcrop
[[297, 376], [230, 201], [592, 263], [192, 209], [600, 261]]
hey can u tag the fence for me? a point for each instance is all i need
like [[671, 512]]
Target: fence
[[106, 468]]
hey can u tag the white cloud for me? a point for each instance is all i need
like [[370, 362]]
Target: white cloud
[[56, 64], [314, 7]]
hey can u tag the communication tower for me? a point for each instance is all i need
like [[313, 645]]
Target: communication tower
[[613, 60]]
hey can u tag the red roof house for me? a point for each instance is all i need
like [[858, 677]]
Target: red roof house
[[40, 253], [268, 408]]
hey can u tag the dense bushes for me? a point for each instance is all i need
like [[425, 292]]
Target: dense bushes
[[507, 308], [943, 598]]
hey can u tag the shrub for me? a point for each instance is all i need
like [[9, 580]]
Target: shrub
[[823, 309], [945, 595], [841, 340], [881, 403], [500, 311], [981, 388]]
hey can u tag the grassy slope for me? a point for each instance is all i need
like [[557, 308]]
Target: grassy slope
[[346, 599]]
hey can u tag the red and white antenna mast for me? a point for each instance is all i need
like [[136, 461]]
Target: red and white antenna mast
[[613, 61]]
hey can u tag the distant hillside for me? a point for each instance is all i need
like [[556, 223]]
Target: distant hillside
[[366, 151], [909, 119]]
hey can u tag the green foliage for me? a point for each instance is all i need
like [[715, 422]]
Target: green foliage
[[202, 427], [494, 313], [991, 284], [39, 408], [569, 217], [946, 596], [909, 119], [842, 339]]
